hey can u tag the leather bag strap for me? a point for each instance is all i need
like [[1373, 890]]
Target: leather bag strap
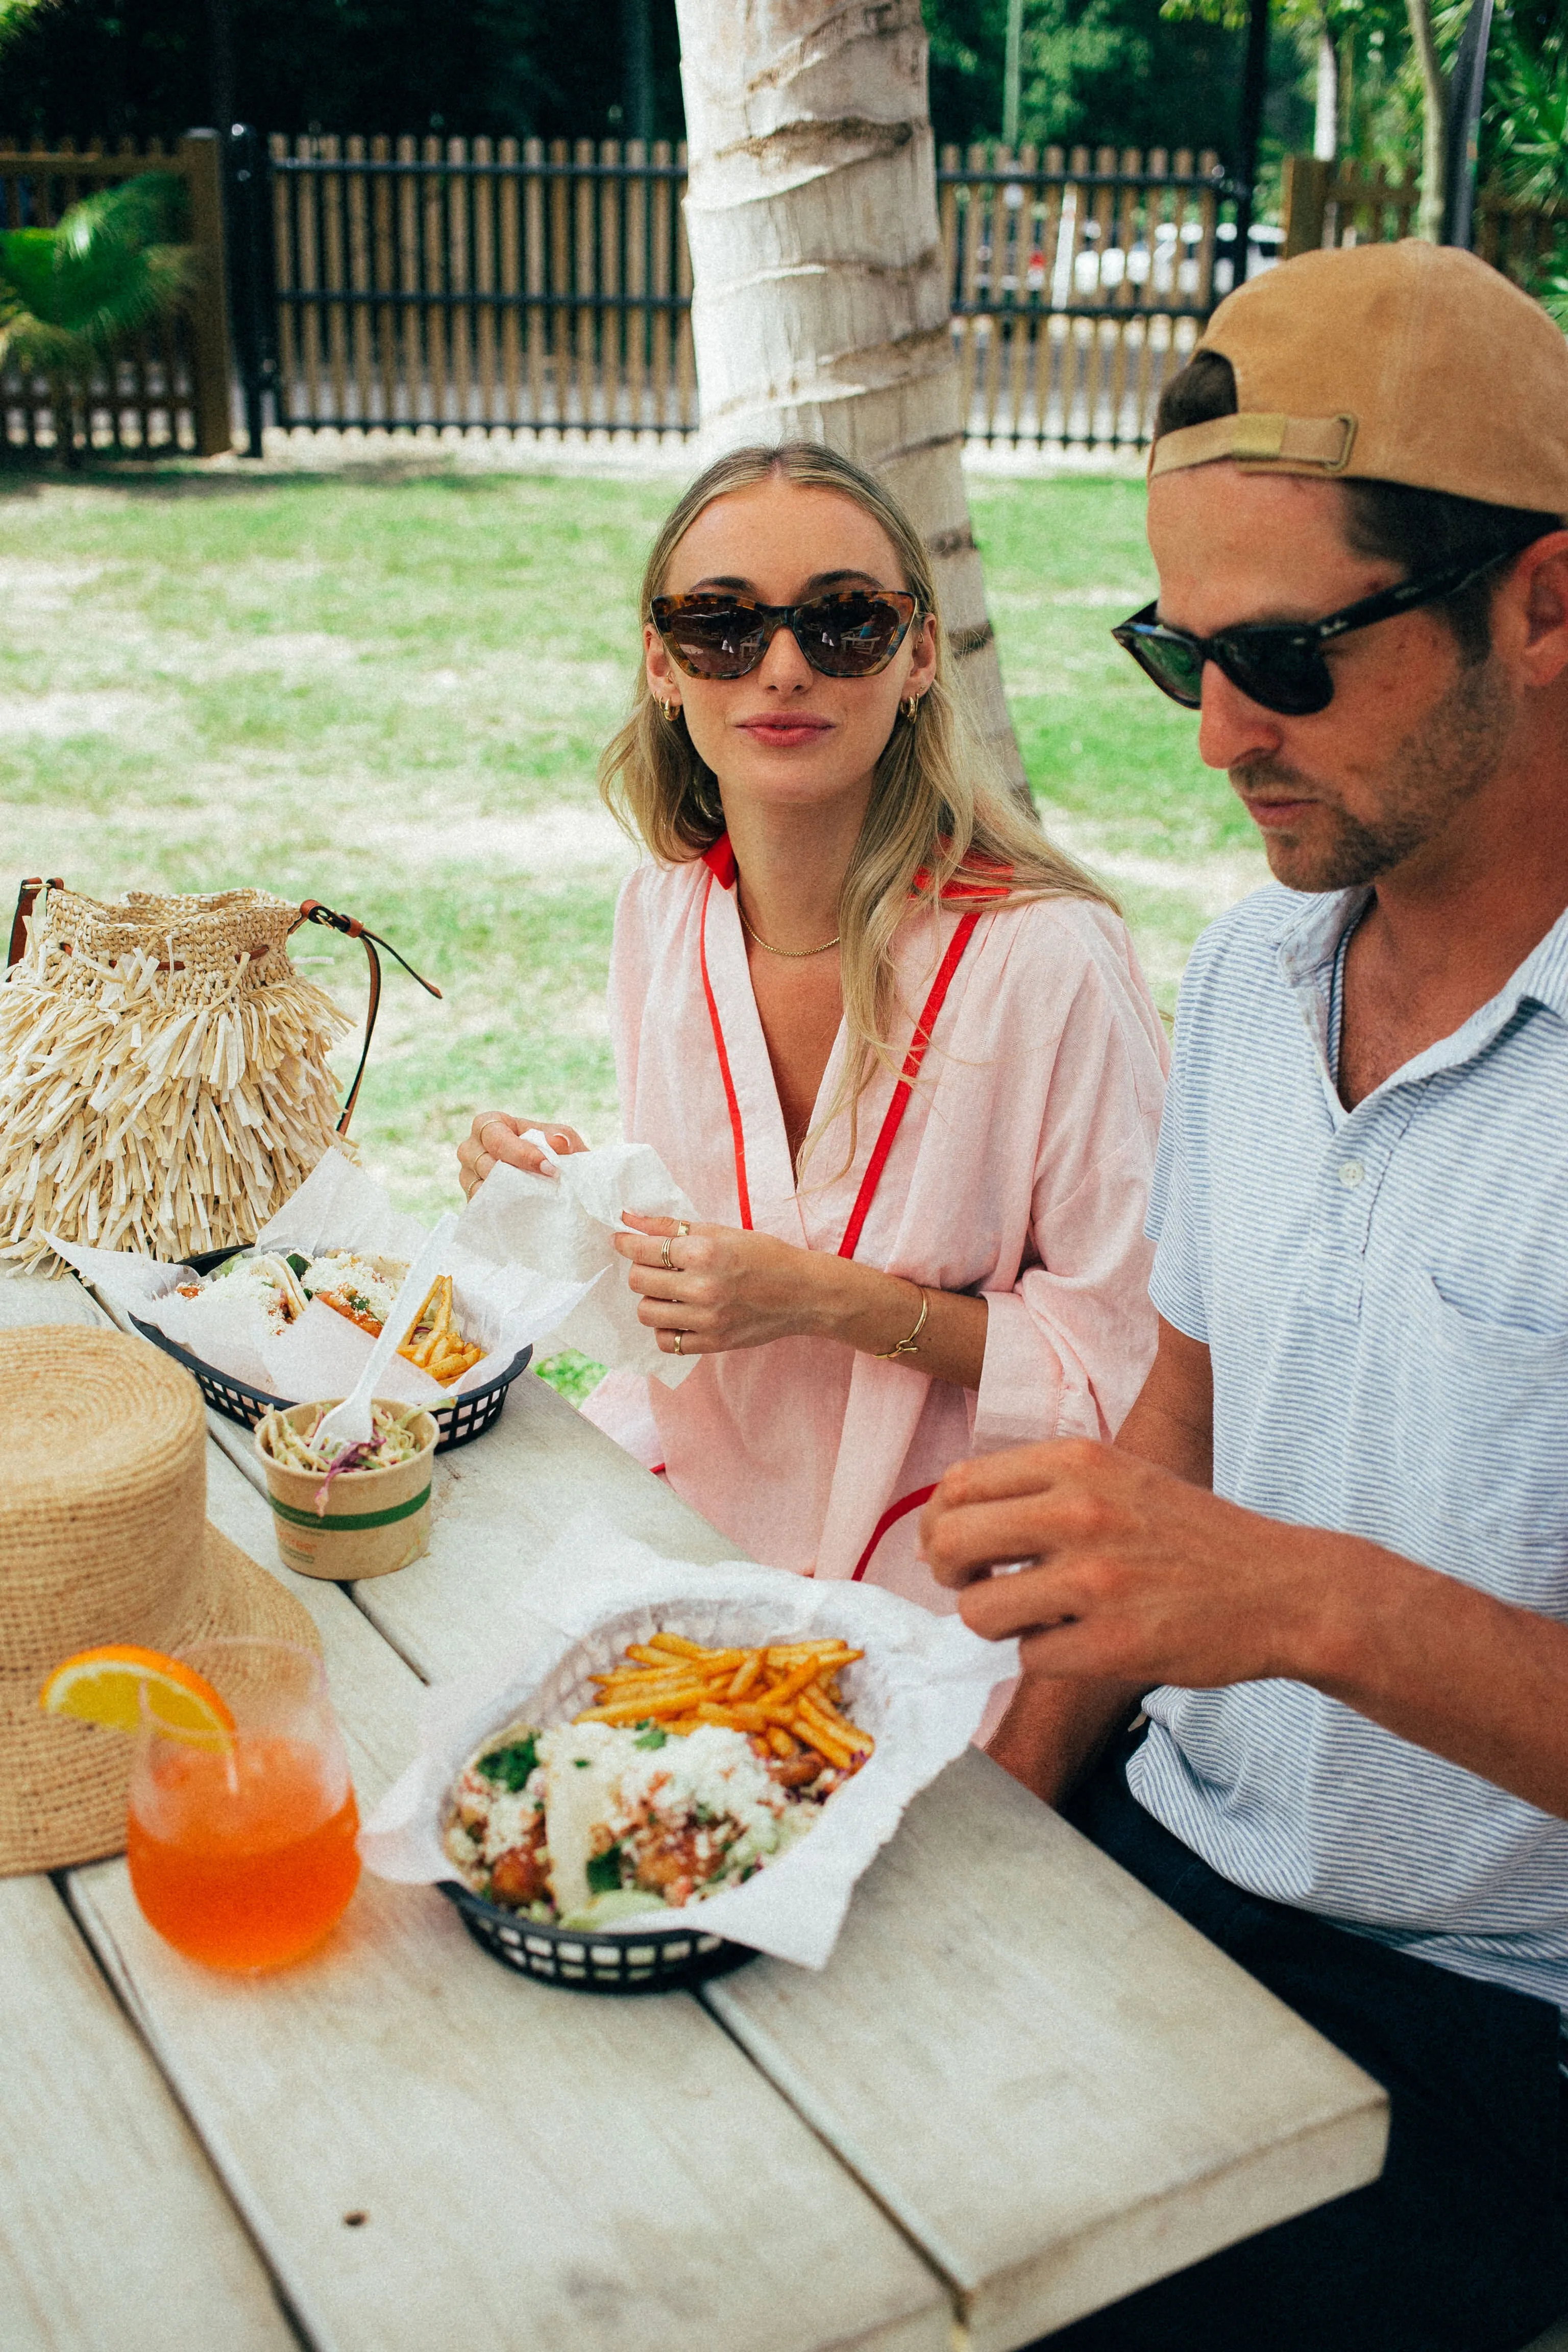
[[312, 911], [27, 898]]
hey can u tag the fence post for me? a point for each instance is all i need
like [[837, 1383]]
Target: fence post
[[253, 298], [201, 163], [1306, 204]]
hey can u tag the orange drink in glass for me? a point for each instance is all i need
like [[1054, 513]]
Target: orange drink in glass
[[241, 1844]]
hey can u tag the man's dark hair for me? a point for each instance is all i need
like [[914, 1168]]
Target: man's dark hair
[[1421, 530]]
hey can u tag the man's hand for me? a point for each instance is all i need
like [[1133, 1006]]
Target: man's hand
[[1135, 1577]]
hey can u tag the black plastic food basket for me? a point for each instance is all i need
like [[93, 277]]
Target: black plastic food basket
[[460, 1423], [624, 1959]]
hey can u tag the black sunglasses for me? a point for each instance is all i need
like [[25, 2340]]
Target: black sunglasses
[[853, 633], [1279, 665]]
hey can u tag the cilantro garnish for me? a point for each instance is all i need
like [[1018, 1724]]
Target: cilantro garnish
[[296, 1264], [604, 1871], [582, 1762], [510, 1765], [650, 1735]]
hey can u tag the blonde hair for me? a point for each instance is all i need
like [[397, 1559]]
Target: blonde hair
[[938, 810]]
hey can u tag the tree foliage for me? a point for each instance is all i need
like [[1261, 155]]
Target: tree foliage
[[71, 294], [1116, 71], [113, 68]]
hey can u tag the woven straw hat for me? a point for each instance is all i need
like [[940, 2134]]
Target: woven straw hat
[[103, 1537]]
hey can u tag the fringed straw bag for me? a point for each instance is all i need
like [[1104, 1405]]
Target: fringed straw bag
[[164, 1079]]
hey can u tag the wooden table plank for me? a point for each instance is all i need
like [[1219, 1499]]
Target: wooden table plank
[[1116, 2099], [1161, 2064], [1107, 2096], [114, 2235], [537, 2166]]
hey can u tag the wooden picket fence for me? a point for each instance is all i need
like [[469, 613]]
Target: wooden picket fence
[[401, 284], [452, 283], [168, 391], [1079, 283], [1328, 203]]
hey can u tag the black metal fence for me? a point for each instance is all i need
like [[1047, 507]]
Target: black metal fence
[[1080, 281], [401, 284], [454, 284]]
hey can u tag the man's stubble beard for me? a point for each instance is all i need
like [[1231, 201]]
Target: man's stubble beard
[[1451, 756]]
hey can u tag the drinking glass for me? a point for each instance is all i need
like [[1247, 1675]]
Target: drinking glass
[[241, 1844]]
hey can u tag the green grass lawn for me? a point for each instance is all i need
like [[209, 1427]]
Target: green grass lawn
[[389, 692]]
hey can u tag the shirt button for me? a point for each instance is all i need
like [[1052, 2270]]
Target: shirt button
[[1352, 1173]]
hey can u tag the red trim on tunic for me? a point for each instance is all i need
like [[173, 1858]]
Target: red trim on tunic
[[889, 1518], [719, 860], [906, 1084], [966, 884], [736, 1130]]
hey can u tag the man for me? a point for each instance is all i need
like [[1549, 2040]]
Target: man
[[1329, 1553]]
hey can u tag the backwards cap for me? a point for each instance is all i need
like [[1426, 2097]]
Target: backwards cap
[[1406, 363]]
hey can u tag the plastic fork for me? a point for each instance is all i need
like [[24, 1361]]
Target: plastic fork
[[350, 1420]]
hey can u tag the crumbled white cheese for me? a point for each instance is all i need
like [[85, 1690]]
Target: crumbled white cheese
[[508, 1823], [351, 1277], [602, 1783]]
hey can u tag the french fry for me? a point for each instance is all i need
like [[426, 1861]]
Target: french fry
[[824, 1743], [791, 1654], [838, 1747], [784, 1694], [746, 1674], [634, 1710], [727, 1717]]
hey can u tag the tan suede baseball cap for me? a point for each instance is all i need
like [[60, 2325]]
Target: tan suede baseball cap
[[1408, 362]]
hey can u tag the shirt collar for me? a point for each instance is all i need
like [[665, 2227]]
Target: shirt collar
[[1309, 944]]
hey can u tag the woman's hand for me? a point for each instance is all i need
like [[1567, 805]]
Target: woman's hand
[[496, 1135], [720, 1289], [724, 1288]]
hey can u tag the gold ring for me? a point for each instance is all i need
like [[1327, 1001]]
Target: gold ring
[[679, 1337], [664, 1257], [681, 1229]]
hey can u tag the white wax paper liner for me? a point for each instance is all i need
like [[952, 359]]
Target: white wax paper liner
[[921, 1690], [503, 1305], [567, 1221]]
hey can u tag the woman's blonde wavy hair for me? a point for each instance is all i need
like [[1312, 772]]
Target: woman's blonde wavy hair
[[938, 808]]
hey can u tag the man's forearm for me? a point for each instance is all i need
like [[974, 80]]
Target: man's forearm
[[1155, 1433], [1448, 1668], [1054, 1731], [1055, 1728]]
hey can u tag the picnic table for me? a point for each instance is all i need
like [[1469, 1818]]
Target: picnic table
[[1021, 2088]]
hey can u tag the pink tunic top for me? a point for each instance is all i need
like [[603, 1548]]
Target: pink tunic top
[[1019, 1171]]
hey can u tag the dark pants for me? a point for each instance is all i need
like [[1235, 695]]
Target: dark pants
[[1462, 2245]]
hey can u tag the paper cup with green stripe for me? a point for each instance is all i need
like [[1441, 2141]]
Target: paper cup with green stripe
[[373, 1521]]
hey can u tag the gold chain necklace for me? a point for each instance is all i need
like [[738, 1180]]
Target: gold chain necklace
[[794, 954]]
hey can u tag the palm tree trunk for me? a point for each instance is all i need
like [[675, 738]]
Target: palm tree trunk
[[820, 298], [1435, 121], [1326, 121]]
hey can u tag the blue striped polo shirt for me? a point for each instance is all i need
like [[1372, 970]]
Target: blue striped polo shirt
[[1384, 1293]]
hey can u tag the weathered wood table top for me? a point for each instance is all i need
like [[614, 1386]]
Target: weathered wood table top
[[1021, 2087]]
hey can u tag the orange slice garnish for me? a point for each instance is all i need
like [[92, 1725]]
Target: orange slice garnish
[[105, 1685]]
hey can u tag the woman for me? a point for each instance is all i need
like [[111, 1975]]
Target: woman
[[896, 1047]]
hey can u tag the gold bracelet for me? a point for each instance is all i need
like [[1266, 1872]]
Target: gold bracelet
[[906, 1347]]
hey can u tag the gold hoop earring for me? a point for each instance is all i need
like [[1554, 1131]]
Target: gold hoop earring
[[671, 710], [909, 706]]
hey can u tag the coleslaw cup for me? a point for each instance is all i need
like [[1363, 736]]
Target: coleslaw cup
[[372, 1522]]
